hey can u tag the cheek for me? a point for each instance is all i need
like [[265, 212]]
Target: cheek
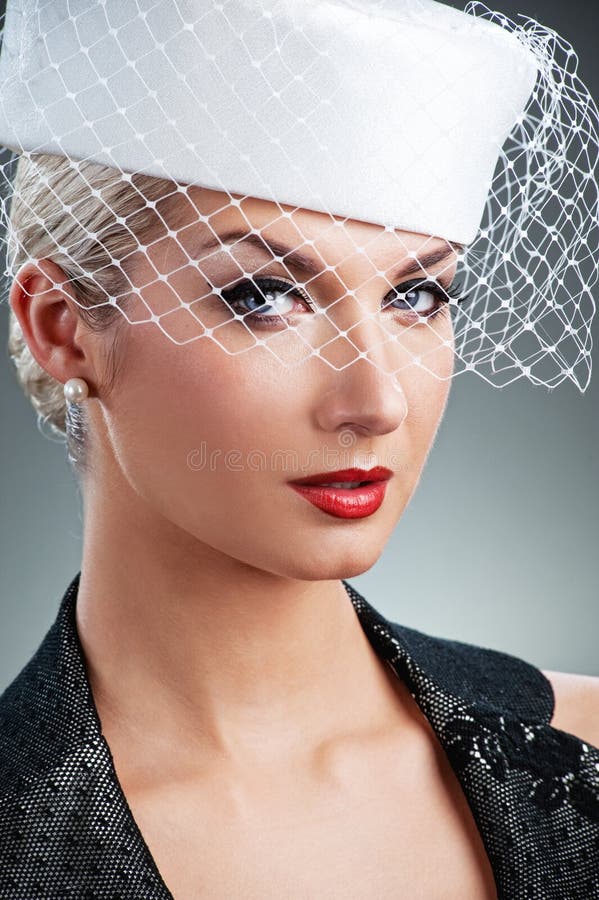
[[191, 427], [427, 391]]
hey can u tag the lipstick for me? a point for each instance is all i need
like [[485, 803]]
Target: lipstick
[[347, 493]]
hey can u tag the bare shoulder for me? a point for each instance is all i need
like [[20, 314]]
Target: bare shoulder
[[576, 704]]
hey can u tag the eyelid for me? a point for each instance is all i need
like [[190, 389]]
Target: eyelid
[[294, 288], [254, 281], [433, 280], [408, 284]]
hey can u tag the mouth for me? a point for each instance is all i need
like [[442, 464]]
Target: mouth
[[347, 478], [347, 494]]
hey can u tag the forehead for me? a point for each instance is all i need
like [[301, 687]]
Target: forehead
[[213, 218]]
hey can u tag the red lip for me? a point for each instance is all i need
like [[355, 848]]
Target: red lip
[[345, 503], [379, 473]]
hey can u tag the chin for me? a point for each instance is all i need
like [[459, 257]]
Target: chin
[[332, 564]]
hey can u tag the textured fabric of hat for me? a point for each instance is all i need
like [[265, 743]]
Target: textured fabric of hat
[[391, 112]]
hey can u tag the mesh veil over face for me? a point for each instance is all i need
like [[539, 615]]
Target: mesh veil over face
[[319, 226]]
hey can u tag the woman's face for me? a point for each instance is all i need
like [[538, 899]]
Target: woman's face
[[209, 434]]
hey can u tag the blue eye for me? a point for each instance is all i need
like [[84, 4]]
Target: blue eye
[[269, 300], [425, 298], [265, 298]]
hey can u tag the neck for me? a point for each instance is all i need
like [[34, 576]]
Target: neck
[[189, 648]]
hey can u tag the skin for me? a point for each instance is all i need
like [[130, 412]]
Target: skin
[[192, 550], [218, 635]]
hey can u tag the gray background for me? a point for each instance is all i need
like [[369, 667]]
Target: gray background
[[498, 546]]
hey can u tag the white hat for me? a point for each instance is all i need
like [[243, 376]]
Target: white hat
[[391, 112]]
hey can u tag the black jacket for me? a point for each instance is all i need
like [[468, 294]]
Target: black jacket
[[67, 831]]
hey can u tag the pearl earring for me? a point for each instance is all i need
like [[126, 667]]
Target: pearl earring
[[76, 390]]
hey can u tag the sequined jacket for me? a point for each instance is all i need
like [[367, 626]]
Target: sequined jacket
[[66, 830]]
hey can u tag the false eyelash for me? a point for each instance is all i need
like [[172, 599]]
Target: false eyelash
[[455, 292], [230, 295], [443, 294]]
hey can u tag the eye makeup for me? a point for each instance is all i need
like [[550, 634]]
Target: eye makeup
[[259, 293]]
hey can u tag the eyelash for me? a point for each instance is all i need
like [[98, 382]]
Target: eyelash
[[233, 295]]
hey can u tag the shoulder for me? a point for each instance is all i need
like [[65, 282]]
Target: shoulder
[[36, 715], [576, 704], [20, 735], [491, 679]]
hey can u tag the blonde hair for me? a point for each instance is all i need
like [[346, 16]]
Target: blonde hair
[[88, 219]]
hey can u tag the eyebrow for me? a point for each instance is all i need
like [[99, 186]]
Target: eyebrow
[[308, 263]]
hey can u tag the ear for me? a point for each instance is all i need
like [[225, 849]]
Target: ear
[[42, 302]]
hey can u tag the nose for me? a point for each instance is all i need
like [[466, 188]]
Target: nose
[[361, 398], [361, 394]]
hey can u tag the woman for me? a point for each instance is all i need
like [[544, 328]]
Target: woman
[[216, 712]]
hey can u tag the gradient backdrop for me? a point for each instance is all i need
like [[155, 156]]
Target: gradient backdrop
[[498, 546]]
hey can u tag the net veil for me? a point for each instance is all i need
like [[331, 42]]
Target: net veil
[[232, 172], [530, 271]]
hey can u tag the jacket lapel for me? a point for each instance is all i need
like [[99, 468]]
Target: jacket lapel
[[533, 789], [70, 832]]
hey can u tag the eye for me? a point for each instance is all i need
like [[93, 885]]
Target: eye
[[425, 298], [269, 301], [263, 298]]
